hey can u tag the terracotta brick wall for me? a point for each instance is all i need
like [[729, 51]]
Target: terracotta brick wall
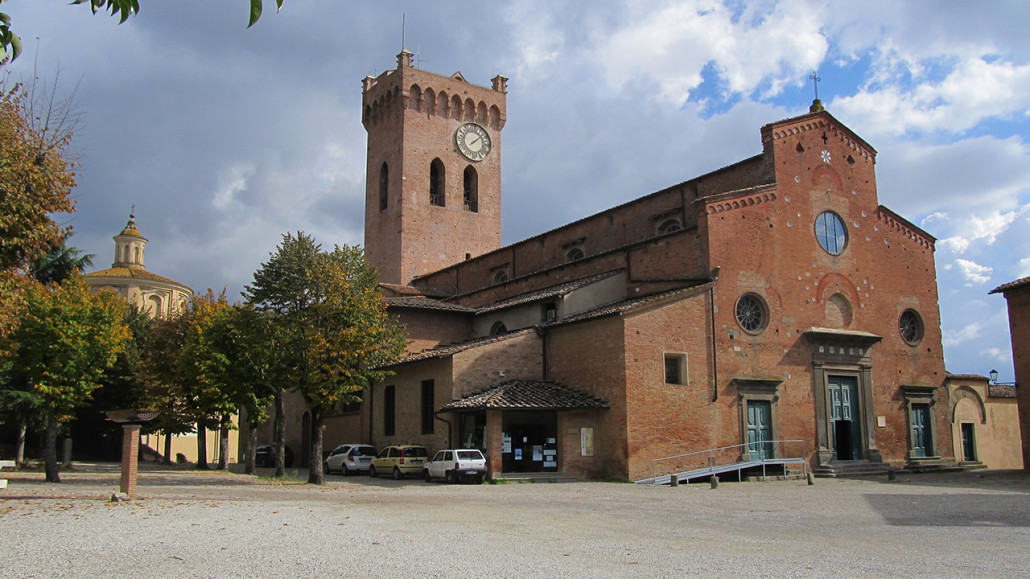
[[591, 358], [1019, 325], [412, 237]]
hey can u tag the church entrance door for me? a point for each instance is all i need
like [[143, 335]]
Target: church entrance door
[[844, 414], [529, 442], [759, 429]]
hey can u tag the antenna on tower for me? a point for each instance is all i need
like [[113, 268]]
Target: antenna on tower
[[402, 31]]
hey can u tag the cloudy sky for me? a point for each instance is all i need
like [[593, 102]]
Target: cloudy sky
[[224, 138]]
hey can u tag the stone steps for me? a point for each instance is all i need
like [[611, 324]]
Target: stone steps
[[534, 477], [857, 468]]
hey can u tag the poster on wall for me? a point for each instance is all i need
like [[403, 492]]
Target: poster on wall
[[586, 441], [518, 454], [538, 452], [506, 442]]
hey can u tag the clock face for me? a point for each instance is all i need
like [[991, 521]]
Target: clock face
[[473, 141]]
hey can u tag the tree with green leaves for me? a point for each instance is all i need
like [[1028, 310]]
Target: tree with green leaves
[[60, 262], [65, 339], [343, 336], [162, 379], [259, 369], [121, 9]]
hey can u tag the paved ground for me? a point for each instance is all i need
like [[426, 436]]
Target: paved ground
[[187, 523]]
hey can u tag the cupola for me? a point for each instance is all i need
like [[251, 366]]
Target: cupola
[[128, 246]]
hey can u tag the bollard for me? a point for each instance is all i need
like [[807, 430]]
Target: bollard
[[715, 481], [674, 481], [811, 479], [892, 474]]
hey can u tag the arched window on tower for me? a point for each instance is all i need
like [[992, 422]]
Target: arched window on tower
[[471, 189], [436, 183], [384, 183], [136, 257]]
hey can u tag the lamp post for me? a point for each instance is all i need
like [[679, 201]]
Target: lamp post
[[994, 376], [131, 420]]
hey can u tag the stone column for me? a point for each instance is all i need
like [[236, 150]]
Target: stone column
[[130, 456]]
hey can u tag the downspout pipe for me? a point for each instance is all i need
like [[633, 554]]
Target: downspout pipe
[[449, 426]]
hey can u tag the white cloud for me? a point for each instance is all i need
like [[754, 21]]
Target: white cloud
[[670, 45], [998, 355], [973, 271], [1024, 267], [231, 181], [962, 335], [976, 88]]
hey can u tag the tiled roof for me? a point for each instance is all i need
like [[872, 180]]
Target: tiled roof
[[527, 395], [1019, 283], [406, 290], [626, 305], [426, 304], [131, 273], [951, 376], [450, 350], [1001, 390], [558, 290]]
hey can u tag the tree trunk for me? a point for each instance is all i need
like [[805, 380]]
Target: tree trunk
[[19, 446], [223, 443], [50, 450], [202, 447], [315, 475], [168, 449], [280, 434], [66, 452], [248, 461]]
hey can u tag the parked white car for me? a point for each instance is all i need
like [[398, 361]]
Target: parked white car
[[350, 458], [455, 465]]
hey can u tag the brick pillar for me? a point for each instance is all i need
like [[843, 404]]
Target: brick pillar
[[492, 441], [130, 454]]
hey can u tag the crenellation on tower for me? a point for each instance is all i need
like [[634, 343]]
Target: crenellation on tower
[[433, 175]]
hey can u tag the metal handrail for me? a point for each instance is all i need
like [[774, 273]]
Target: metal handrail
[[712, 460]]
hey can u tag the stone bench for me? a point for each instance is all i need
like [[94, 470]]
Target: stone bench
[[5, 464]]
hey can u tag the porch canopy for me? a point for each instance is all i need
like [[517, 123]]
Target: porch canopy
[[526, 395]]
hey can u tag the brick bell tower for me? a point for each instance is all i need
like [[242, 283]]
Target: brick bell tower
[[433, 174]]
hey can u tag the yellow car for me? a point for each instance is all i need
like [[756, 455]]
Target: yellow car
[[399, 460]]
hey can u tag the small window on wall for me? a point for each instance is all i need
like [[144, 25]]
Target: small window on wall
[[428, 401], [831, 233], [550, 312], [501, 277], [752, 314], [471, 189], [498, 329], [389, 407], [436, 183], [911, 327], [675, 368], [669, 226], [384, 182], [574, 254]]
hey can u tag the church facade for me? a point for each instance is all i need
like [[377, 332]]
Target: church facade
[[770, 308]]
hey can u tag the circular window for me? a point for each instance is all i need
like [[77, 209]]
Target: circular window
[[831, 233], [751, 313], [911, 326]]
